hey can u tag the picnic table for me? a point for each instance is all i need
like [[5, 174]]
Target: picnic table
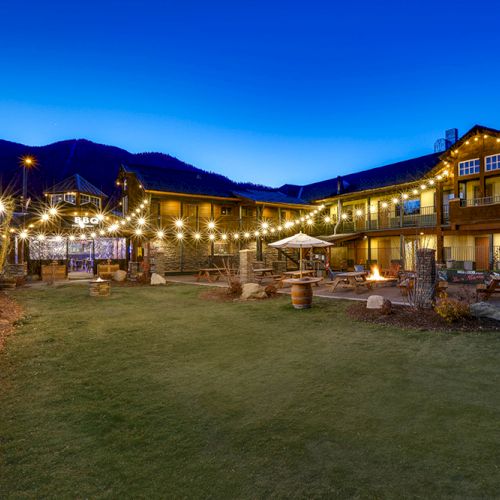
[[264, 271], [355, 280], [208, 273]]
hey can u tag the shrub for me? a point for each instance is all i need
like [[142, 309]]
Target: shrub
[[452, 309]]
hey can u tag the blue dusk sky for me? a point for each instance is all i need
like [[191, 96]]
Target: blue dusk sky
[[270, 92]]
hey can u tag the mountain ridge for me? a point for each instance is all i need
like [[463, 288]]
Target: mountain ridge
[[96, 162]]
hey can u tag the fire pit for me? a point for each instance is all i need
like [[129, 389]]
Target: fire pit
[[100, 288], [376, 279]]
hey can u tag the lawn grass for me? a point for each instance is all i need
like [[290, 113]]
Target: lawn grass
[[154, 392]]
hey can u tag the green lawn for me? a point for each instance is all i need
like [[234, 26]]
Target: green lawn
[[155, 392]]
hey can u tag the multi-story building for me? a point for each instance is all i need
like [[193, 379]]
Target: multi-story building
[[449, 201]]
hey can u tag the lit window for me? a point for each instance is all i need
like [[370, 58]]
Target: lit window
[[70, 198], [94, 200], [226, 210], [56, 198], [492, 162], [468, 167]]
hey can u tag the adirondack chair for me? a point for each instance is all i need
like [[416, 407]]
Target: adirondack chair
[[485, 291]]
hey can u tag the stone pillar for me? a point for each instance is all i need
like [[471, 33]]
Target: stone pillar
[[247, 258], [425, 277]]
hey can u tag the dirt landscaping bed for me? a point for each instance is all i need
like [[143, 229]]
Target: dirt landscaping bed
[[10, 312], [406, 318]]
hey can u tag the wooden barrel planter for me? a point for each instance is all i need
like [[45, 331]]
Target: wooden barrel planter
[[302, 293], [100, 288]]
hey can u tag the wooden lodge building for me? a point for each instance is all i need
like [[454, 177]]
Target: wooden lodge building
[[448, 200]]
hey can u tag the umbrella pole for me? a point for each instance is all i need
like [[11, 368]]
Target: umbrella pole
[[300, 263]]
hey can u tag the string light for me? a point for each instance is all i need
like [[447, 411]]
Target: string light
[[211, 237], [197, 236], [180, 235]]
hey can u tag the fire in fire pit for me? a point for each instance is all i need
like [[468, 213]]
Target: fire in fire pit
[[375, 275]]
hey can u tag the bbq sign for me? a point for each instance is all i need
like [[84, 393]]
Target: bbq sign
[[86, 221]]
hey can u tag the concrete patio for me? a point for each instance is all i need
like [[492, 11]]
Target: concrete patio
[[392, 293]]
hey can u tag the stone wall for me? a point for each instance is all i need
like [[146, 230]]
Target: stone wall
[[172, 256]]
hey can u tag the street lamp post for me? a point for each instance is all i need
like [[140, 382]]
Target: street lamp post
[[28, 162]]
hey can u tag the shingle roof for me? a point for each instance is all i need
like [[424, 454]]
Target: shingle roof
[[76, 183], [182, 181], [205, 184], [269, 197], [387, 175]]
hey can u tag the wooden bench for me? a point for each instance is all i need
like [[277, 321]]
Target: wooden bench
[[106, 271], [208, 273], [484, 292], [53, 272]]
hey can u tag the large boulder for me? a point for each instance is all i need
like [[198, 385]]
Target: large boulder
[[379, 303], [120, 275], [253, 291], [375, 302], [156, 279], [485, 310]]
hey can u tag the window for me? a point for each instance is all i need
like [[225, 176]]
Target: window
[[189, 210], [410, 207], [94, 200], [70, 198], [226, 210], [56, 198], [248, 212], [468, 167], [492, 162]]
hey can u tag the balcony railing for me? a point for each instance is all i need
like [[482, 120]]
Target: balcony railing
[[426, 217], [479, 202]]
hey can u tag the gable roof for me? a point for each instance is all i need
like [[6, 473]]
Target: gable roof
[[386, 175], [205, 184], [474, 131], [76, 183]]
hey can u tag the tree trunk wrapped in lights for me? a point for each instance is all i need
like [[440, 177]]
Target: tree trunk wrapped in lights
[[6, 213], [422, 293]]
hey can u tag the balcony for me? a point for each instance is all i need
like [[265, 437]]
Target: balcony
[[426, 217], [480, 202], [475, 210]]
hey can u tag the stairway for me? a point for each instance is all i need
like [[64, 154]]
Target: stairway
[[291, 255]]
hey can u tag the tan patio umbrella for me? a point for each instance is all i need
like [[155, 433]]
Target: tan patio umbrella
[[300, 240]]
